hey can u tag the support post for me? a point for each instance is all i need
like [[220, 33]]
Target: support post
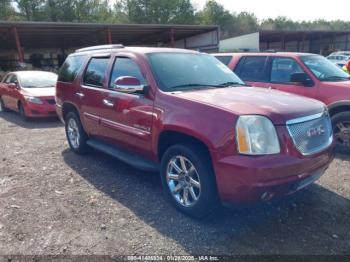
[[18, 45], [172, 37], [109, 35], [303, 42], [320, 43], [283, 43], [347, 42]]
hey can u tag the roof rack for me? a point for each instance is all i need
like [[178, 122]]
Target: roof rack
[[99, 47]]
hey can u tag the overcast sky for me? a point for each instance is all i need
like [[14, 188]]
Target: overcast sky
[[295, 9]]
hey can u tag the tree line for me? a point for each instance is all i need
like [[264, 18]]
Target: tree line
[[153, 12]]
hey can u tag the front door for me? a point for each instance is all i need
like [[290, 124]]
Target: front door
[[280, 72], [127, 118], [9, 97]]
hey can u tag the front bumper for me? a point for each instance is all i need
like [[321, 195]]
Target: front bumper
[[40, 110], [247, 179]]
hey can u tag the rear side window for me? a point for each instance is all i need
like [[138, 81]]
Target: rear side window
[[224, 59], [70, 68], [252, 68], [126, 67], [95, 72]]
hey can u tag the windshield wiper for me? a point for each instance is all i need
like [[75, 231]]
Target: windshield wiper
[[191, 85], [227, 84]]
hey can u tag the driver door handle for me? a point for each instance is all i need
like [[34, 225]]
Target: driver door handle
[[80, 95], [108, 103]]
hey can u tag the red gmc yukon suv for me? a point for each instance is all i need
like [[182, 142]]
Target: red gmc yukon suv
[[304, 74], [184, 113]]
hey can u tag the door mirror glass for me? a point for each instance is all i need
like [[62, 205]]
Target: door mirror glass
[[128, 84], [13, 85], [301, 79]]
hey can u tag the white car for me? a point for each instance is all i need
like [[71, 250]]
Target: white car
[[339, 58]]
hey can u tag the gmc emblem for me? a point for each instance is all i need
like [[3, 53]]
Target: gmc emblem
[[315, 131]]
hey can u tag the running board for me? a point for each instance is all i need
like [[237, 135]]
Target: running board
[[129, 158]]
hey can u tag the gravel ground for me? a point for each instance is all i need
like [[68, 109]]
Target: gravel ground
[[55, 202]]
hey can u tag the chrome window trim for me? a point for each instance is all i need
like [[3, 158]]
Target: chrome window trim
[[306, 119]]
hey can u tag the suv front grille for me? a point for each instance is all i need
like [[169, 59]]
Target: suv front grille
[[311, 134]]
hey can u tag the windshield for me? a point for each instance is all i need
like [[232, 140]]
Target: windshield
[[37, 79], [188, 71], [323, 69]]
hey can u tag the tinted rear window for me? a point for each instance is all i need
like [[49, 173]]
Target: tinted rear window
[[70, 68], [224, 59], [252, 68]]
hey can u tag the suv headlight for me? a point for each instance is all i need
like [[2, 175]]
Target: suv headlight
[[34, 100], [256, 135]]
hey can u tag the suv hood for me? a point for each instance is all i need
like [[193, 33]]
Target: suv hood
[[47, 91], [276, 105]]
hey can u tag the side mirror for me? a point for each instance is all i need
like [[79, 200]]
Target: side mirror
[[13, 85], [301, 79], [128, 84]]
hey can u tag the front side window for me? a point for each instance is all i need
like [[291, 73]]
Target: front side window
[[124, 66], [188, 71], [283, 68], [8, 79], [323, 69], [252, 68], [96, 71], [70, 68]]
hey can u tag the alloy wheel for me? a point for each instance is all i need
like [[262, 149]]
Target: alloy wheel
[[342, 133], [183, 181], [73, 133]]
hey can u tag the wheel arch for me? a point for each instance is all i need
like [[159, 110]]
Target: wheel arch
[[338, 107], [69, 107], [168, 138]]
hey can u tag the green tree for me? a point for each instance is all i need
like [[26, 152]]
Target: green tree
[[245, 23], [158, 11], [7, 11], [214, 13], [31, 10]]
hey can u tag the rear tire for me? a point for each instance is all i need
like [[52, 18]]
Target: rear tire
[[341, 130], [22, 112], [76, 136], [201, 198]]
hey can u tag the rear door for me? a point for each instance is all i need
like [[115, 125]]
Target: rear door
[[253, 70], [91, 94], [127, 118], [280, 72]]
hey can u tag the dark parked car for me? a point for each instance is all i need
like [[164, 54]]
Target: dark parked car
[[186, 114], [304, 74], [31, 93]]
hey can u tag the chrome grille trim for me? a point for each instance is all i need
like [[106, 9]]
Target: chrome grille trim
[[305, 119]]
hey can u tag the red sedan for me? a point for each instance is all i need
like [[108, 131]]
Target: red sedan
[[31, 93]]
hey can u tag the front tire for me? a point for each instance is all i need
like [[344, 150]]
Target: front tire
[[22, 112], [341, 130], [75, 133], [188, 181]]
